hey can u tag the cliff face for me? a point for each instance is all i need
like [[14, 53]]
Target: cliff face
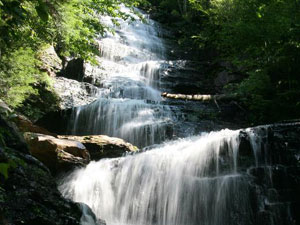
[[274, 180]]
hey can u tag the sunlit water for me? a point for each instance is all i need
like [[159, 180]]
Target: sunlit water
[[191, 181], [129, 102]]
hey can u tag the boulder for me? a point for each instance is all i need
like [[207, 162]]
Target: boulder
[[25, 125], [51, 63], [102, 146], [28, 192], [59, 155], [73, 69], [77, 93]]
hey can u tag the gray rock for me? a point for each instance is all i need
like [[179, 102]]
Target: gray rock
[[73, 69], [51, 63], [73, 93]]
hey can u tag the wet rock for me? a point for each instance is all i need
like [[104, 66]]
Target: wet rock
[[56, 121], [28, 192], [102, 146], [277, 174], [76, 94], [58, 155], [185, 77], [88, 217], [94, 74], [74, 69], [15, 141]]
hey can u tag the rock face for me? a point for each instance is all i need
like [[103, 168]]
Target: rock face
[[28, 192], [102, 146], [74, 69], [77, 93], [57, 154], [274, 180], [25, 125], [51, 63]]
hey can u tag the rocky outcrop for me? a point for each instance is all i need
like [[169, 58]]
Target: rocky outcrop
[[77, 93], [51, 63], [73, 69], [28, 192], [58, 155], [102, 146], [274, 178], [185, 76], [25, 125]]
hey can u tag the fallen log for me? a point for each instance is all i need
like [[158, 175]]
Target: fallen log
[[203, 98]]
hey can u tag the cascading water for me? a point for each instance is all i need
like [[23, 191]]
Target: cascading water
[[186, 182], [129, 104], [200, 180]]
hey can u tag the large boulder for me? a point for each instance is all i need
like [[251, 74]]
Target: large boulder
[[102, 146], [58, 155], [25, 125], [73, 69]]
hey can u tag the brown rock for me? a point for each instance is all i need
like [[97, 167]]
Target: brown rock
[[25, 125], [57, 154], [22, 123], [102, 146]]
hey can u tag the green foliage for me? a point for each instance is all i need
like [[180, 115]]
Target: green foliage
[[260, 38], [4, 169], [26, 26], [9, 161], [260, 101], [18, 74]]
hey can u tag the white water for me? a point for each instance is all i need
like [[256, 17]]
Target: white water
[[129, 103], [192, 181], [179, 183]]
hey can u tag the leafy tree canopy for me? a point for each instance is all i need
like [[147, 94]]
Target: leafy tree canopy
[[71, 26]]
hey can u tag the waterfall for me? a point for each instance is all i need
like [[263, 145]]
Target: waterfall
[[192, 181], [189, 181], [129, 103], [217, 178]]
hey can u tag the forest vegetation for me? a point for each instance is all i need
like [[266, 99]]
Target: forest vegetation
[[259, 38], [29, 26]]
